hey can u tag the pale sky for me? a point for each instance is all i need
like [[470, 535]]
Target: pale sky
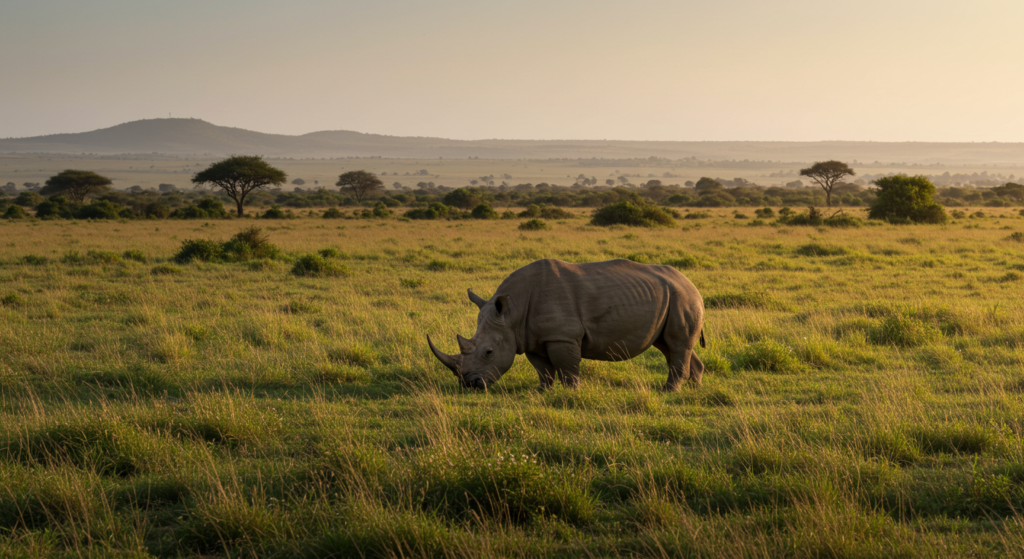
[[883, 70]]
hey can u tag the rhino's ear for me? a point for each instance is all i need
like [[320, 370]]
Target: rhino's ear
[[501, 306], [477, 300]]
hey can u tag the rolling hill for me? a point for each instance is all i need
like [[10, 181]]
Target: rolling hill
[[181, 136]]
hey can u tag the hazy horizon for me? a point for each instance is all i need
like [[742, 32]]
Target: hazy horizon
[[738, 70]]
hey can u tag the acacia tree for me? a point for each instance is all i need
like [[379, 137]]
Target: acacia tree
[[239, 175], [827, 174], [76, 185], [359, 183]]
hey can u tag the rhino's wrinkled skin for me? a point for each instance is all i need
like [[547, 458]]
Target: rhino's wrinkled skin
[[558, 313]]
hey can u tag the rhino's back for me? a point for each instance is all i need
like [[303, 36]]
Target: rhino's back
[[616, 309]]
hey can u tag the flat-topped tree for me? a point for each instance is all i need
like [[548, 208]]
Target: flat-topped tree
[[76, 185], [359, 183], [827, 174], [239, 175]]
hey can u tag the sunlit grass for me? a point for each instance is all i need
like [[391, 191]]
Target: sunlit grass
[[863, 396]]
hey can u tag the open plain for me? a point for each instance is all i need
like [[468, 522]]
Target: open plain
[[863, 396]]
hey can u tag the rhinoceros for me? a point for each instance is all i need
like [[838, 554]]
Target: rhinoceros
[[558, 313]]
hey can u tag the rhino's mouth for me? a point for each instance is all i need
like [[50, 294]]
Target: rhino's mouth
[[477, 383]]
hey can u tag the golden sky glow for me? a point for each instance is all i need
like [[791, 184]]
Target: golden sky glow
[[645, 70]]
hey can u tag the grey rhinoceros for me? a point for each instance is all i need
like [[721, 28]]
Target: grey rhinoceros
[[558, 313]]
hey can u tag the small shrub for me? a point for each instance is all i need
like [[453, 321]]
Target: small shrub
[[842, 221], [247, 244], [484, 211], [764, 213], [275, 212], [683, 263], [816, 249], [435, 210], [552, 212], [752, 299], [534, 225], [903, 331], [15, 212], [314, 265], [440, 265], [770, 356], [640, 258], [532, 210], [1016, 237], [412, 282], [34, 260], [697, 215], [635, 213], [508, 214], [739, 215], [958, 214], [330, 252], [203, 250], [100, 209], [11, 300], [333, 213], [134, 254]]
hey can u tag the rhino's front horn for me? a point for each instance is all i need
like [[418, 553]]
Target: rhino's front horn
[[453, 362]]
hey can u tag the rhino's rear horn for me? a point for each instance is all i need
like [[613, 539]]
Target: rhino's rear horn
[[465, 346], [477, 300], [453, 362]]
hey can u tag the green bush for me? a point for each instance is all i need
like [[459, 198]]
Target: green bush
[[57, 207], [484, 211], [248, 244], [696, 215], [28, 199], [764, 213], [770, 356], [901, 198], [314, 265], [204, 250], [435, 210], [333, 213], [817, 249], [380, 210], [532, 210], [275, 212], [552, 212], [635, 213], [1017, 237], [206, 208], [508, 214], [903, 331], [134, 254], [534, 225], [100, 209], [15, 212]]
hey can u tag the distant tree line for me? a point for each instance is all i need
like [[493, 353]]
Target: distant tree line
[[248, 181]]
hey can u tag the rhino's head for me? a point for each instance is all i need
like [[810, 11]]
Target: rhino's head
[[489, 354]]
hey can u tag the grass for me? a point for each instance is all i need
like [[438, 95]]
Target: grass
[[862, 396]]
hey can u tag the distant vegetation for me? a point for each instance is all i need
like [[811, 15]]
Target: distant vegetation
[[363, 195]]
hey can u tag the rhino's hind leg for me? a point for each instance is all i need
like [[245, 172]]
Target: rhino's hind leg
[[682, 365], [565, 356], [545, 370]]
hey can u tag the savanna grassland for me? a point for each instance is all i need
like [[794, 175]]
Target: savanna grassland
[[864, 396]]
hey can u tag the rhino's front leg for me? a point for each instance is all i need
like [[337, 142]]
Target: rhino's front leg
[[545, 370], [565, 356]]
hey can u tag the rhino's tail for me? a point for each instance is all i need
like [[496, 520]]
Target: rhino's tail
[[702, 338]]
